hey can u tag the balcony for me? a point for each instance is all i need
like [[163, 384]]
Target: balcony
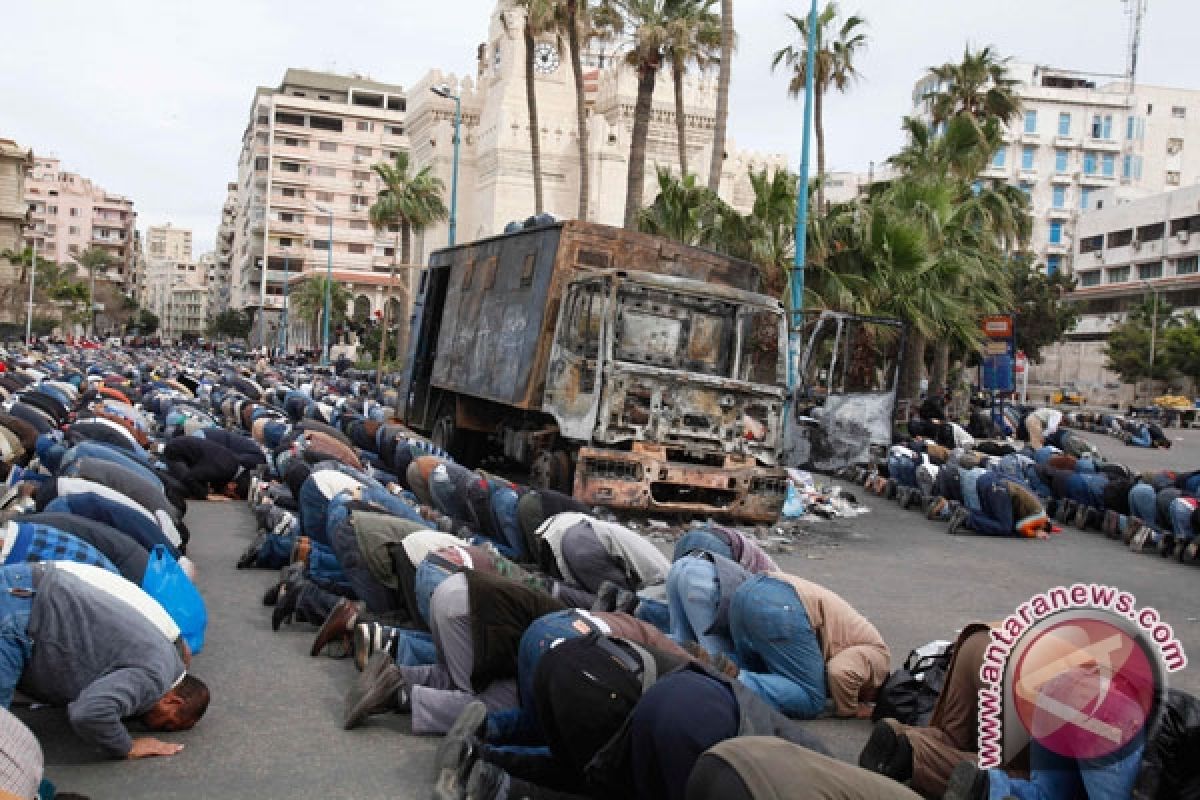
[[1062, 178], [997, 172], [1031, 138], [1060, 213], [1097, 179], [1107, 145], [1058, 248], [1029, 175], [1066, 142]]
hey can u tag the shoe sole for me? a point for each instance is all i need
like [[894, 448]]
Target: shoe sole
[[364, 645], [880, 749], [368, 694]]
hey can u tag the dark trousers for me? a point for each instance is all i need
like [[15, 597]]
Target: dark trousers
[[995, 517]]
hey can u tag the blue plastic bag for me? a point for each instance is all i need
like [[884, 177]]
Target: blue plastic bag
[[793, 505], [166, 582]]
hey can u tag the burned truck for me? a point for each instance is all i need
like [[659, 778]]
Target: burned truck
[[629, 370]]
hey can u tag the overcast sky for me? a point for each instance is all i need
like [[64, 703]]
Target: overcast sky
[[150, 97]]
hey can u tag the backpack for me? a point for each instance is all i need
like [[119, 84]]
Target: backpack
[[909, 694]]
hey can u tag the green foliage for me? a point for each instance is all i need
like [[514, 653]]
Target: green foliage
[[1182, 347], [1129, 344], [1042, 316], [233, 323], [146, 322], [307, 301], [411, 201]]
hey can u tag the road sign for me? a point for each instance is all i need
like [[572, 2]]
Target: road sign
[[997, 371]]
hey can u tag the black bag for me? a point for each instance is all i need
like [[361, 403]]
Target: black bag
[[910, 693]]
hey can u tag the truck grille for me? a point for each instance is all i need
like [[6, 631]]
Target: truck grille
[[681, 493], [764, 485], [612, 470]]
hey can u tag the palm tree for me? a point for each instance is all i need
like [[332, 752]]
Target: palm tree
[[22, 259], [717, 161], [308, 301], [92, 259], [574, 18], [539, 15], [411, 203], [648, 26], [838, 44], [695, 37], [978, 87]]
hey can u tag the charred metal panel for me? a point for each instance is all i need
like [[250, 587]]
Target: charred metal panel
[[645, 479], [845, 393]]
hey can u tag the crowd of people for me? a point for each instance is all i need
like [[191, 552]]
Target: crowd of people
[[557, 652]]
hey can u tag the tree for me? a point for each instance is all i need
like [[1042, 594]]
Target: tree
[[231, 323], [695, 38], [647, 23], [539, 16], [411, 203], [146, 322], [1129, 345], [717, 161], [977, 87], [308, 302], [577, 22], [838, 44], [92, 259], [1182, 348], [1042, 316]]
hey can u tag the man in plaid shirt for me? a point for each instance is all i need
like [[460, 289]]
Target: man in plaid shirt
[[27, 541]]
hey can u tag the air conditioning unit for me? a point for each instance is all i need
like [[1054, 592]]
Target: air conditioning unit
[[1183, 236], [358, 184], [358, 159], [1099, 254]]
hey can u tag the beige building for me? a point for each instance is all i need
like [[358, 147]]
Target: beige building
[[220, 286], [14, 214], [1076, 138], [310, 143], [168, 242]]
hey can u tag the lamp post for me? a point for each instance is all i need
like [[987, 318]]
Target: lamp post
[[444, 91], [328, 287], [801, 234], [1153, 325], [283, 329]]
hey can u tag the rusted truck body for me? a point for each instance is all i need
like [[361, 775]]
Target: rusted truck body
[[633, 371]]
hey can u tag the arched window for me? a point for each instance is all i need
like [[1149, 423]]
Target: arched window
[[362, 308]]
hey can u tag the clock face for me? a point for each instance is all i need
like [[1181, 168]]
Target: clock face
[[545, 58]]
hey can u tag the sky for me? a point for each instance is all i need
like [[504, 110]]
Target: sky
[[149, 98]]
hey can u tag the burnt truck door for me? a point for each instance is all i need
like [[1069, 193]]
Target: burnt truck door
[[420, 406], [574, 374], [845, 392]]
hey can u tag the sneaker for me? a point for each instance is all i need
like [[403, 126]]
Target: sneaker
[[15, 475], [1094, 520], [967, 782], [1166, 545], [936, 507], [487, 782], [1190, 552], [379, 689], [371, 638], [458, 751], [1111, 524], [1065, 510], [1079, 518], [958, 519], [1132, 526], [1142, 537], [887, 753]]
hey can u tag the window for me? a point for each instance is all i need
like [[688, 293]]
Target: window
[[285, 241], [1031, 122], [1151, 233], [1064, 124], [1053, 264], [324, 197], [1116, 274], [73, 230], [326, 172], [396, 103], [1178, 112], [357, 249], [998, 159], [1172, 178], [1131, 167], [290, 217], [323, 97], [51, 209], [1089, 163], [74, 212], [289, 166], [1027, 188], [364, 126], [1148, 272], [290, 192], [284, 118], [362, 175], [365, 152], [382, 250], [1056, 230], [260, 163], [358, 224], [325, 123], [1059, 197], [1174, 146], [395, 130], [1120, 238], [1085, 198], [291, 141], [360, 200], [1091, 278], [1060, 161], [1189, 265], [320, 244], [1109, 165], [1027, 157], [1102, 126], [327, 147]]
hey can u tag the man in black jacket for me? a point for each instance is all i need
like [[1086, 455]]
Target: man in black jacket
[[208, 470]]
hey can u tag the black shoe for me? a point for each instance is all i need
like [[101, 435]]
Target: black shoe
[[967, 782], [1094, 520], [457, 753], [285, 606], [1166, 545], [488, 782], [249, 557], [887, 753], [958, 520]]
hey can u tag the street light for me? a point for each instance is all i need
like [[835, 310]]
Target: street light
[[444, 91], [29, 311], [801, 234], [328, 286], [1153, 325], [283, 330]]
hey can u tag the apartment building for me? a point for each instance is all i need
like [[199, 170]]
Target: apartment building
[[14, 214], [306, 157], [220, 284], [168, 242], [1076, 138], [70, 214]]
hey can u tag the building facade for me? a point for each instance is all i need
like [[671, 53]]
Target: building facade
[[1075, 138], [168, 242], [310, 144], [70, 214], [14, 215]]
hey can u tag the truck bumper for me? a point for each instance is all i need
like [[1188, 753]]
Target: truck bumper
[[643, 479]]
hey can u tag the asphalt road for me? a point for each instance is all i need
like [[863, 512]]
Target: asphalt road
[[273, 728]]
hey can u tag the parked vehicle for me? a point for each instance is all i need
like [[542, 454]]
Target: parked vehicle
[[634, 371]]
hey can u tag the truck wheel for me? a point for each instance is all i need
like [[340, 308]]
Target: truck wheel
[[552, 470]]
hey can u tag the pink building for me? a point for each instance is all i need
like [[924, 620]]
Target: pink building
[[71, 214]]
